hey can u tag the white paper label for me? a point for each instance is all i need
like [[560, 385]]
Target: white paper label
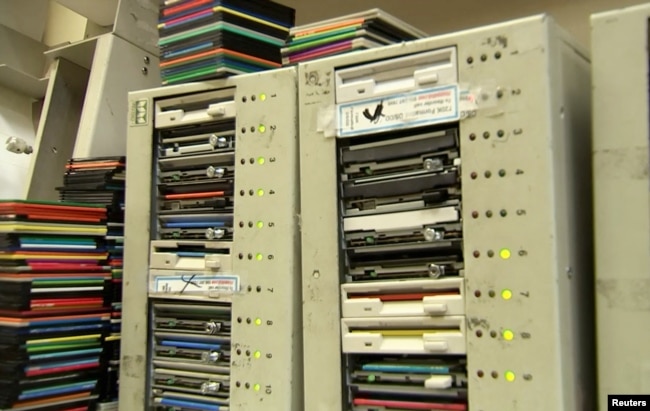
[[417, 108], [193, 283]]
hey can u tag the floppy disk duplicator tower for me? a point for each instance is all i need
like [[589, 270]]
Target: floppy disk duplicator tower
[[446, 224], [621, 200], [212, 287]]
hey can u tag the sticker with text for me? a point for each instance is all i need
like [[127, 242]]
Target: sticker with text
[[398, 111]]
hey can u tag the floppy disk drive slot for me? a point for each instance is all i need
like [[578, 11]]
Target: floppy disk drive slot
[[219, 233], [197, 161], [223, 186], [398, 221], [440, 381], [433, 236], [179, 117], [400, 186], [421, 393], [440, 260], [445, 197], [424, 232], [404, 335], [418, 369], [447, 247], [209, 327], [396, 75], [209, 354], [196, 101], [425, 163], [211, 172], [194, 382], [174, 373], [429, 381], [218, 135], [399, 148], [175, 117], [222, 371], [208, 310], [207, 225], [188, 255], [188, 402], [443, 296], [208, 204], [183, 146], [401, 268]]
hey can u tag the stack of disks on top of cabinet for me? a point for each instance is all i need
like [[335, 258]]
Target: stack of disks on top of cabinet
[[359, 31], [207, 39]]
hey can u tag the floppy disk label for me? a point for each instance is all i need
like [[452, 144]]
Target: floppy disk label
[[418, 108], [192, 283]]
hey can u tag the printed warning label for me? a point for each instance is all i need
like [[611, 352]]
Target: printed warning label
[[191, 283], [417, 108]]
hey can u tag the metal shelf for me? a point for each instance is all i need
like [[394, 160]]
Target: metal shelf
[[80, 53], [21, 82]]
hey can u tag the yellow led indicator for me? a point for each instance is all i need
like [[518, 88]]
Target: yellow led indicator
[[258, 321], [257, 355], [256, 387], [260, 224], [260, 192], [510, 376], [504, 253], [262, 128], [506, 294], [262, 97], [508, 335], [259, 257], [260, 160]]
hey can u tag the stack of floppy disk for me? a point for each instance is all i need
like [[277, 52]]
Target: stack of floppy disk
[[359, 31], [207, 39], [97, 180], [101, 181], [54, 309]]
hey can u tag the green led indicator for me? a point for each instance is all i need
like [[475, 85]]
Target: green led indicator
[[262, 128], [259, 257], [258, 321], [260, 192], [510, 376], [260, 224], [257, 355], [256, 387], [505, 253], [506, 294], [261, 161], [262, 97]]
